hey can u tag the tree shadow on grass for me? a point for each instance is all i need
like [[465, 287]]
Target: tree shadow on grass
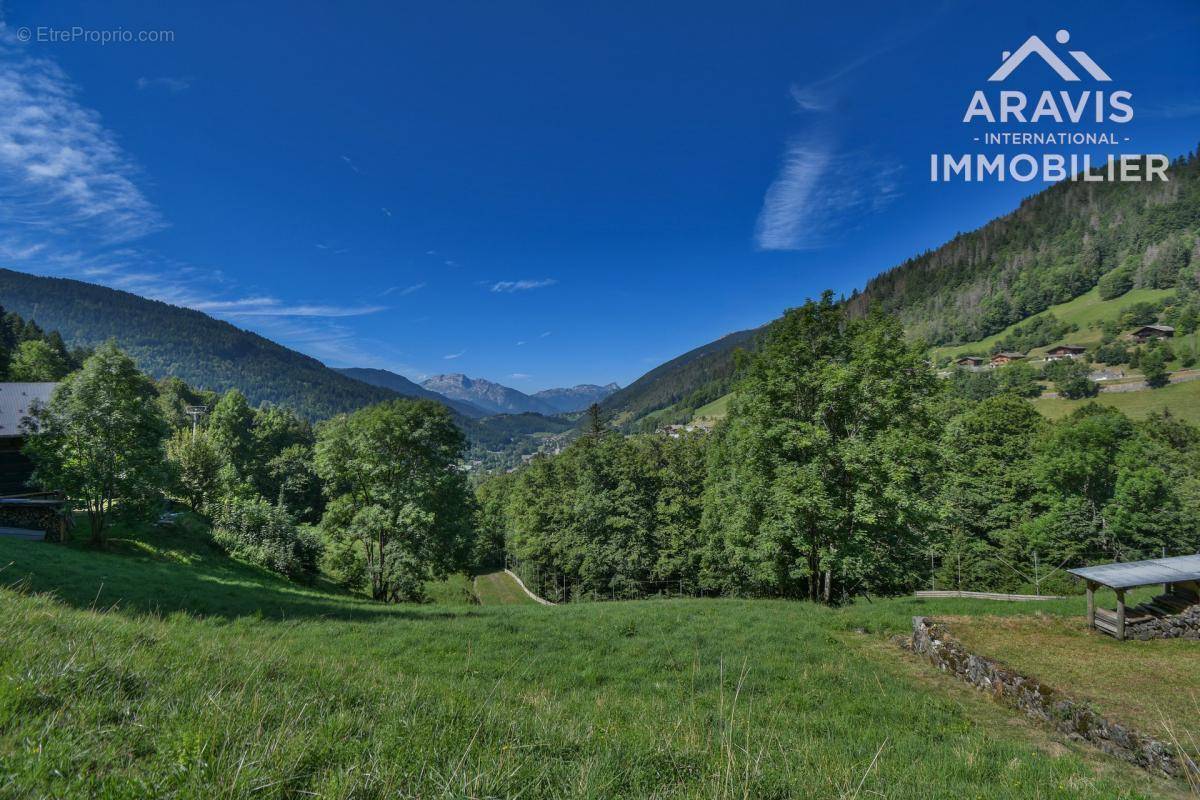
[[172, 570]]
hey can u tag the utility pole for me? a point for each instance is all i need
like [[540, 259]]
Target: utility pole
[[1037, 583], [195, 412]]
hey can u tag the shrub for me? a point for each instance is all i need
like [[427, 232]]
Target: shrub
[[1071, 379], [264, 534], [1116, 283]]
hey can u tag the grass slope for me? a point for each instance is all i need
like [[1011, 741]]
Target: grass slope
[[1086, 311], [499, 589], [1152, 686], [261, 688], [1181, 399]]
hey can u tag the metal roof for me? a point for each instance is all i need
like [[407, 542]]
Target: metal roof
[[1142, 573], [15, 399]]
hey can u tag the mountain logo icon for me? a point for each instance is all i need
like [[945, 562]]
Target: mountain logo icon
[[1034, 45]]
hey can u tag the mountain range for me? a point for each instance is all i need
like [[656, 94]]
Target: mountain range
[[497, 399], [386, 379]]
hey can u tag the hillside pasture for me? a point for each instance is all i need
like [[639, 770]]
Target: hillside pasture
[[1087, 312], [121, 677]]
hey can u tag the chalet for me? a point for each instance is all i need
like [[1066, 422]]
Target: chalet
[[1002, 358], [16, 401], [1065, 351], [970, 362], [1148, 332]]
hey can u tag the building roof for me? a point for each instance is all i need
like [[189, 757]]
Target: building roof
[[970, 358], [1142, 573], [1073, 347], [15, 400], [1008, 354], [1159, 328]]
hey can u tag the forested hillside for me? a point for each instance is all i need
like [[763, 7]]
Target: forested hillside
[[1054, 247], [694, 378], [167, 340]]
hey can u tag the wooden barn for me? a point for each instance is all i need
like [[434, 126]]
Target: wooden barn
[[1007, 357], [1149, 332], [16, 400], [1065, 351]]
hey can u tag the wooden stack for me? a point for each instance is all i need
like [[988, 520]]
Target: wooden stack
[[1174, 601]]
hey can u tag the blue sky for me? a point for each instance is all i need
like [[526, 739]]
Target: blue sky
[[541, 194]]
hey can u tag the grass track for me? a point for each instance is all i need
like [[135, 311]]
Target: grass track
[[261, 688], [499, 589]]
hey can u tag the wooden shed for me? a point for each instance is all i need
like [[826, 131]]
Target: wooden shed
[[1179, 576]]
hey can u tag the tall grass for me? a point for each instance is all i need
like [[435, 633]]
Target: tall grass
[[270, 689]]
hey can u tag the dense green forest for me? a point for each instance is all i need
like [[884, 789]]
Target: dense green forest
[[167, 340], [846, 467], [1057, 245], [30, 354]]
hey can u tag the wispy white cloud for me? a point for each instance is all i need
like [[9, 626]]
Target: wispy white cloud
[[522, 285], [61, 172], [350, 163], [545, 334], [387, 212], [273, 307], [520, 344], [452, 356], [401, 291], [173, 85], [520, 376], [819, 193]]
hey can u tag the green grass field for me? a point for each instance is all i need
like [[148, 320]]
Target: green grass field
[[717, 409], [1181, 399], [1086, 311], [162, 669]]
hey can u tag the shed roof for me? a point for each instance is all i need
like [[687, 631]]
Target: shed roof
[[1142, 573], [15, 399]]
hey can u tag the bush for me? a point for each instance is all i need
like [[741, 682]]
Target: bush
[[1116, 283], [264, 534], [1071, 379]]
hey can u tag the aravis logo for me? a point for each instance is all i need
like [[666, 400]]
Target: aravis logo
[[1085, 117], [1035, 46]]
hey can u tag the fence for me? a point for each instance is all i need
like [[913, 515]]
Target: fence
[[1033, 571]]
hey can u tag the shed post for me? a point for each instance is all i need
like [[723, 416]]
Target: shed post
[[1120, 614], [1091, 605]]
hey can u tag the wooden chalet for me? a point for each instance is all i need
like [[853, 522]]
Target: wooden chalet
[[1149, 332], [1007, 357], [970, 362], [1180, 577], [1065, 351]]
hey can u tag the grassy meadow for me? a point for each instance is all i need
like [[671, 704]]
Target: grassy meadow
[[163, 669], [1181, 399], [1086, 311]]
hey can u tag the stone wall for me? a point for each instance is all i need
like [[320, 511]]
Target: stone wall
[[1179, 626], [1041, 702]]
